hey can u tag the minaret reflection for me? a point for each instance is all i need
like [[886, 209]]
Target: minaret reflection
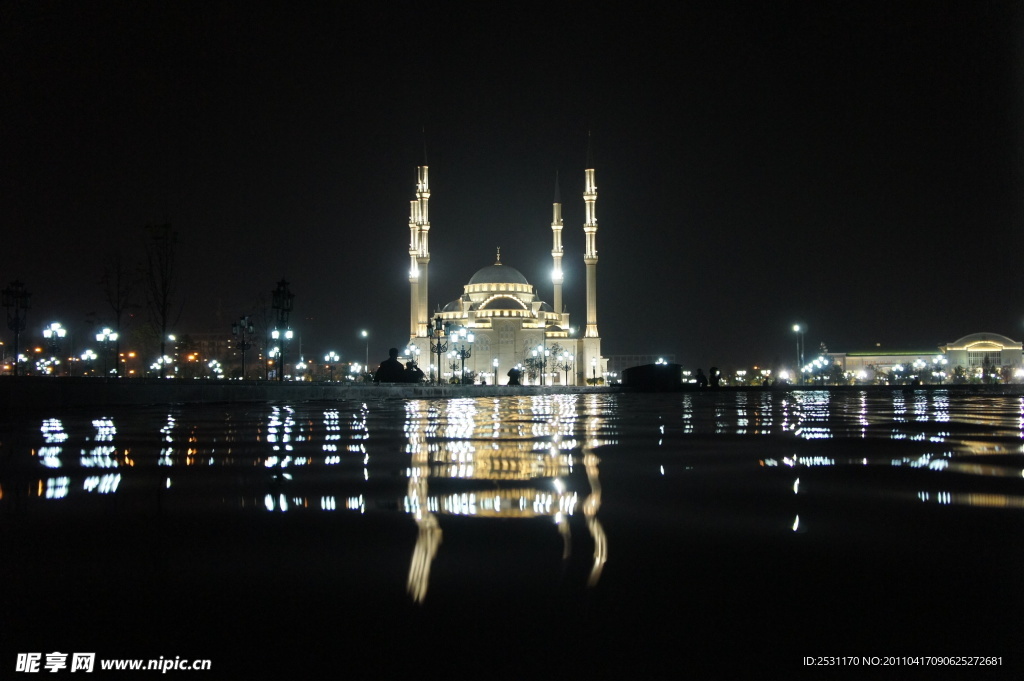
[[524, 447]]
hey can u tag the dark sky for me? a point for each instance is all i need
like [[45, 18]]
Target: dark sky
[[852, 166]]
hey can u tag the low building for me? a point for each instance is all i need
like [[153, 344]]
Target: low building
[[965, 358], [974, 351]]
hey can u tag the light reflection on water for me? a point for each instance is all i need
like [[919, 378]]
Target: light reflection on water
[[521, 459]]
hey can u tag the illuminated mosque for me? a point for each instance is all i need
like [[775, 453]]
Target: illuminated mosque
[[510, 324]]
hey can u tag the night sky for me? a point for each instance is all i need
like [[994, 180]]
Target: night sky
[[852, 166]]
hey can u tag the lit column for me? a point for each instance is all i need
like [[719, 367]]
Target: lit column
[[414, 269], [590, 256], [556, 249], [799, 331], [423, 254]]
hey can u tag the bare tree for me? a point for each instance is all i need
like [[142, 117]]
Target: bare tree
[[120, 286], [161, 282]]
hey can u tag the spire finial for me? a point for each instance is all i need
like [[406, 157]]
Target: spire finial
[[498, 261]]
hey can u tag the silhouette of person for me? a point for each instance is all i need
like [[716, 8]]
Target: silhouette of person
[[702, 380], [412, 373], [716, 377], [390, 370], [513, 376]]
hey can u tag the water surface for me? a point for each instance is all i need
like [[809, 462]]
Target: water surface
[[601, 534]]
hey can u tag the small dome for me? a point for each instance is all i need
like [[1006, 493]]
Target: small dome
[[498, 274], [453, 306], [987, 339]]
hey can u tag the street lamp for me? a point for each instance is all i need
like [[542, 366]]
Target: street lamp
[[593, 369], [413, 352], [439, 330], [540, 355], [53, 334], [283, 300], [15, 297], [90, 357], [366, 337], [494, 362], [331, 358], [281, 336], [106, 337], [463, 336], [565, 363], [453, 363], [799, 331], [243, 330]]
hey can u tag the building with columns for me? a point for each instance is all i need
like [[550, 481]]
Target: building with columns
[[509, 323]]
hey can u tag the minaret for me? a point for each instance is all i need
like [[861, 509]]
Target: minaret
[[423, 256], [414, 268], [590, 256], [556, 249]]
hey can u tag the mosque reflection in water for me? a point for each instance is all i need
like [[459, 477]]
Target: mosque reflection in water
[[511, 459], [519, 458]]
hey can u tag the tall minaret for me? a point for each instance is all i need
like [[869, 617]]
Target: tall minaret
[[590, 257], [423, 259], [556, 249], [419, 255]]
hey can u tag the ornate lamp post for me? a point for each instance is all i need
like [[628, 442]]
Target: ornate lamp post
[[106, 337], [494, 363], [281, 336], [564, 363], [438, 331], [453, 363], [15, 299], [283, 299], [414, 353], [330, 359], [540, 354], [593, 369], [89, 357], [243, 330], [53, 335], [463, 336]]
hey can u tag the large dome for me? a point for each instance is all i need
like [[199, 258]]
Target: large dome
[[498, 274]]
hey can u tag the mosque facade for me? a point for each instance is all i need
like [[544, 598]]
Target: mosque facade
[[500, 320]]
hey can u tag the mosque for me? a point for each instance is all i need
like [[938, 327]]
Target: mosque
[[500, 321]]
